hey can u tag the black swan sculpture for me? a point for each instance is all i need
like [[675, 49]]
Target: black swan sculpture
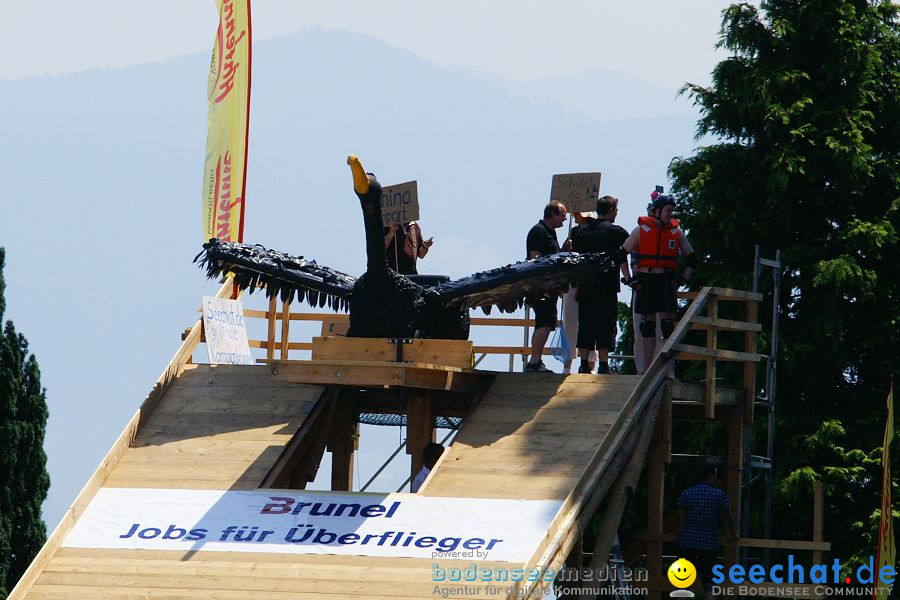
[[382, 302]]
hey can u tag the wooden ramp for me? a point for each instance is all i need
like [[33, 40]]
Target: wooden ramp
[[531, 437], [222, 428]]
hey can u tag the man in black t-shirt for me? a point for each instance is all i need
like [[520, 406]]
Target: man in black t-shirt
[[598, 301], [541, 241]]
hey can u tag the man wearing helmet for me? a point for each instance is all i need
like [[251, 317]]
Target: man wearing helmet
[[658, 240]]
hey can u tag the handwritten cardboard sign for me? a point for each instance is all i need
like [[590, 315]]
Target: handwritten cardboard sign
[[578, 191], [400, 203], [226, 332]]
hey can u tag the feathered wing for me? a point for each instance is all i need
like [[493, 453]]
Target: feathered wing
[[280, 273], [507, 287]]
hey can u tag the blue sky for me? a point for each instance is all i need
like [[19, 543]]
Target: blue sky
[[593, 85]]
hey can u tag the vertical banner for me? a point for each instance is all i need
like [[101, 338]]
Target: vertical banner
[[886, 548], [225, 167]]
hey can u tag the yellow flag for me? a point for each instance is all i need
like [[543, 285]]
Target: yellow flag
[[225, 168], [886, 548]]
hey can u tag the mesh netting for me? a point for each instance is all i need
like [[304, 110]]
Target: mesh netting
[[396, 420]]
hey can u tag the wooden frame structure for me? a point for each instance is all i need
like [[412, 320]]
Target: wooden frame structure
[[349, 375]]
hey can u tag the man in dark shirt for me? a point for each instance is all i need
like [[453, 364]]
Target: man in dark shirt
[[541, 241], [699, 509], [598, 301]]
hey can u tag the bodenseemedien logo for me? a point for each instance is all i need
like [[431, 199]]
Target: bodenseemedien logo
[[682, 574]]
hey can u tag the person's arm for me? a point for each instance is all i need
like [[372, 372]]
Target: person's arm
[[389, 237], [687, 252], [424, 245], [629, 246]]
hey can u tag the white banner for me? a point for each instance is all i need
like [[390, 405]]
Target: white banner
[[398, 525], [226, 332]]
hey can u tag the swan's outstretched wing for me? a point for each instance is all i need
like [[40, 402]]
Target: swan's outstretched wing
[[279, 273], [507, 287]]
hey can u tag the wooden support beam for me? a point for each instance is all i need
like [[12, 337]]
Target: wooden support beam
[[285, 327], [818, 519], [712, 342], [734, 477], [627, 481], [419, 428], [342, 442], [686, 391], [760, 543], [656, 472], [270, 332], [298, 455], [690, 352], [726, 294]]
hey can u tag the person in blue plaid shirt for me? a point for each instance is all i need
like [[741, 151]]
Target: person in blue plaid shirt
[[699, 509]]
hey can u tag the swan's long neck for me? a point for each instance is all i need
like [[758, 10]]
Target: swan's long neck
[[368, 189]]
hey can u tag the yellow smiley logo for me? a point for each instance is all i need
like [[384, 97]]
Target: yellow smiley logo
[[682, 573]]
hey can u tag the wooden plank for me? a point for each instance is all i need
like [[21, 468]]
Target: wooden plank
[[726, 294], [530, 443], [686, 391], [725, 324], [365, 374], [582, 429], [549, 415], [224, 583], [731, 355], [455, 353]]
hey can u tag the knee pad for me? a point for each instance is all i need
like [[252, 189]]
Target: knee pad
[[647, 329], [667, 326]]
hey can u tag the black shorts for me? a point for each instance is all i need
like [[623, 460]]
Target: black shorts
[[544, 311], [703, 561], [656, 293], [597, 315]]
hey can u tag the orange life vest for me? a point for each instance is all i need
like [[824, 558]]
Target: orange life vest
[[658, 245]]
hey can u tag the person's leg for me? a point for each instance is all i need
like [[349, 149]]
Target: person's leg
[[586, 325], [607, 309], [544, 323], [638, 341], [538, 341], [648, 338]]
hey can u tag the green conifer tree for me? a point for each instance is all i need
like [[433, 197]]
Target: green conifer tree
[[23, 476]]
